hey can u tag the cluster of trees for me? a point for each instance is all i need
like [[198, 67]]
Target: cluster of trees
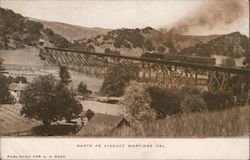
[[21, 31], [48, 99], [128, 37], [145, 103], [109, 51], [83, 90], [117, 78], [5, 96], [233, 45], [16, 27]]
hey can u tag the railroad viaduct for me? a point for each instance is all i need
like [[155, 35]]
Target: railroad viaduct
[[155, 72]]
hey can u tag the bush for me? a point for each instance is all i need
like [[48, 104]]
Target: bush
[[20, 79], [193, 103], [187, 90], [83, 90], [117, 78], [164, 102], [218, 100], [137, 101], [5, 96]]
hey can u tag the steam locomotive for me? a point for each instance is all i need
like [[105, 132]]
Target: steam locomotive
[[180, 58]]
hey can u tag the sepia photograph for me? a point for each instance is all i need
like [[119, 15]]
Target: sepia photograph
[[124, 69]]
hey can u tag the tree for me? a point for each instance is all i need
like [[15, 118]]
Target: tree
[[20, 79], [48, 101], [83, 90], [218, 100], [1, 62], [117, 78], [137, 101], [33, 27], [161, 49], [64, 75], [5, 96], [164, 102], [191, 99], [193, 103], [148, 45]]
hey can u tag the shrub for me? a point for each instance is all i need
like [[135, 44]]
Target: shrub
[[20, 79], [218, 100], [117, 78], [137, 101], [164, 102], [193, 103], [187, 90], [5, 96], [161, 49], [83, 90]]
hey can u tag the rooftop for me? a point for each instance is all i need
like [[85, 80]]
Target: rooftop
[[101, 123]]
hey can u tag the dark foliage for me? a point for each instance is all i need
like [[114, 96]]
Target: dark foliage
[[169, 44], [117, 78], [161, 49], [124, 36], [89, 114], [47, 101], [109, 51], [83, 90], [164, 102], [233, 45], [64, 75], [240, 87], [148, 45], [5, 96], [20, 79], [218, 100]]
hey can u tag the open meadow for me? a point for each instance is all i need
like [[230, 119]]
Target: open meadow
[[228, 123]]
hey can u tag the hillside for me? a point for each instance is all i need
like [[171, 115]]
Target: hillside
[[137, 41], [72, 32], [231, 45], [17, 32], [133, 42]]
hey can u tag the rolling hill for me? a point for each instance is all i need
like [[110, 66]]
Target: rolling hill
[[72, 32]]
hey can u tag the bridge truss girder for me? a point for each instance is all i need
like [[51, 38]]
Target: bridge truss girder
[[155, 74]]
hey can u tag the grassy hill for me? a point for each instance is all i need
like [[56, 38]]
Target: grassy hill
[[133, 42], [228, 123], [233, 45], [72, 32], [12, 122], [17, 32]]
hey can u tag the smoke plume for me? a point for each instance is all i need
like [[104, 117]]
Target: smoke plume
[[210, 15]]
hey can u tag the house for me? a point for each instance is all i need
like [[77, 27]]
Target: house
[[16, 90], [103, 124]]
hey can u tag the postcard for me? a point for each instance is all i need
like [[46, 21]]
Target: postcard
[[122, 79]]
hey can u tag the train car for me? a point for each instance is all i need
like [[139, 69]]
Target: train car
[[181, 58], [201, 60]]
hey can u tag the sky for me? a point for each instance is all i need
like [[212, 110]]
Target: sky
[[113, 14]]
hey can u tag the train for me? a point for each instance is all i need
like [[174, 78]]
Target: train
[[180, 58]]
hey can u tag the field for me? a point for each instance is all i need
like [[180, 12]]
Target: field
[[12, 122], [26, 57], [228, 123], [105, 108], [94, 84]]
